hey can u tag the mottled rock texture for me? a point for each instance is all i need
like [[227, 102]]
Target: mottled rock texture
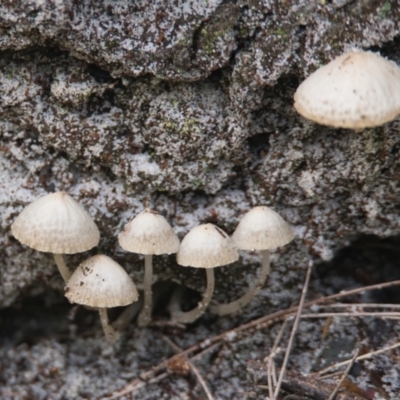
[[187, 106]]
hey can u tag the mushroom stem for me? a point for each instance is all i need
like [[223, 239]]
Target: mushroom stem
[[145, 315], [229, 308], [62, 267], [188, 317], [130, 312], [174, 305], [107, 328]]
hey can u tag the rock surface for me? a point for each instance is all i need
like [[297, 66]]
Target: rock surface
[[187, 106]]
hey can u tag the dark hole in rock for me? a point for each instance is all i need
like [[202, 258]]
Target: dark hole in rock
[[32, 318], [101, 75], [366, 261], [258, 143]]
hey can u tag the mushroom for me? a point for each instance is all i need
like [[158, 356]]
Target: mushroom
[[205, 246], [356, 90], [56, 223], [148, 233], [260, 229], [101, 283]]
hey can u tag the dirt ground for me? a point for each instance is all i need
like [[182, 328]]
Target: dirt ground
[[51, 350]]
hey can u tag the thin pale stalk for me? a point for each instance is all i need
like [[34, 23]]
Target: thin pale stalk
[[127, 316], [294, 330], [229, 308], [346, 372], [359, 358], [107, 328], [389, 315], [193, 368], [202, 381], [145, 315], [360, 305], [329, 376], [191, 316], [269, 378], [271, 356], [62, 267], [274, 377], [174, 305]]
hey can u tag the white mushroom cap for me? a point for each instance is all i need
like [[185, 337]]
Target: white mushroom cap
[[262, 229], [149, 233], [101, 282], [56, 223], [206, 246], [356, 90]]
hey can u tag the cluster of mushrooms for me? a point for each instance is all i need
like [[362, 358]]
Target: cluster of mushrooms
[[56, 223], [356, 90]]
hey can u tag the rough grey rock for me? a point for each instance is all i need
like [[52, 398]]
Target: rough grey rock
[[188, 106]]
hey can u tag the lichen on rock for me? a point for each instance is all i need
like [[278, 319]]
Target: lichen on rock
[[187, 106]]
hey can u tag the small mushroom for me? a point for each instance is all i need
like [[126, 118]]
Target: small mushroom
[[56, 223], [101, 283], [260, 229], [356, 90], [148, 233], [205, 246]]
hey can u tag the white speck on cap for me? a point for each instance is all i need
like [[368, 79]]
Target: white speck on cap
[[56, 223], [206, 246], [101, 282], [262, 229], [356, 90], [149, 233]]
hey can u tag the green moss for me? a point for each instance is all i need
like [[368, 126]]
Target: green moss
[[281, 32], [196, 183], [218, 27], [384, 11], [297, 164], [210, 38], [189, 125], [170, 124], [244, 32], [9, 73], [112, 44]]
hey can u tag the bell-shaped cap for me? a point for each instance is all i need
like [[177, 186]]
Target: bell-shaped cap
[[56, 223], [262, 229], [356, 90], [206, 246], [149, 233], [102, 283]]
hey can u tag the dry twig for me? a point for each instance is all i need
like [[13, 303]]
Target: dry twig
[[360, 305], [359, 358], [387, 315], [353, 360], [294, 330], [304, 387], [194, 369], [309, 387], [270, 360], [258, 323]]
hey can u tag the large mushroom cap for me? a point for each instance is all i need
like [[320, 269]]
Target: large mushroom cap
[[56, 223], [206, 246], [149, 233], [102, 283], [356, 90], [262, 229]]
